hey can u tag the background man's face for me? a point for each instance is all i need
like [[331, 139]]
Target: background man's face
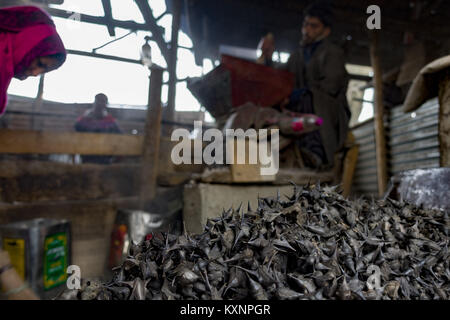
[[100, 104], [101, 101], [313, 30]]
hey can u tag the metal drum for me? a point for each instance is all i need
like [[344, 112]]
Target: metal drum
[[40, 251]]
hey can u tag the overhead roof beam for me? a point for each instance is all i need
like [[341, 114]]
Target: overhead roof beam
[[154, 28], [390, 24], [108, 16], [130, 25], [103, 56]]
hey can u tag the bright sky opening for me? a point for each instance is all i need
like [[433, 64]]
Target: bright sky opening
[[126, 84]]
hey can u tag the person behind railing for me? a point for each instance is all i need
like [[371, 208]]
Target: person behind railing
[[98, 120]]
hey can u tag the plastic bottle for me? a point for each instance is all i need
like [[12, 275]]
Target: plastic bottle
[[300, 125]]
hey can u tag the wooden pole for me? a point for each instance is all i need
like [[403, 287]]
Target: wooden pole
[[380, 137], [444, 118], [172, 63], [37, 103], [151, 138], [349, 165]]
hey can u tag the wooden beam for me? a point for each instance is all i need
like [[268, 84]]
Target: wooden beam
[[360, 77], [380, 138], [82, 214], [350, 160], [37, 103], [390, 23], [103, 56], [152, 138], [108, 16], [32, 181], [173, 60], [129, 25], [38, 142]]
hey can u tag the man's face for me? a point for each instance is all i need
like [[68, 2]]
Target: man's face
[[313, 30], [100, 104]]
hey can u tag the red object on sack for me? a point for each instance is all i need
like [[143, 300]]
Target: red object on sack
[[297, 126], [251, 82]]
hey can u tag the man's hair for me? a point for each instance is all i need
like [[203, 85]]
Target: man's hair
[[101, 95], [322, 11]]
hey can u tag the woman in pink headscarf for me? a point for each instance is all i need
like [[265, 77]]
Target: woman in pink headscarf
[[29, 46]]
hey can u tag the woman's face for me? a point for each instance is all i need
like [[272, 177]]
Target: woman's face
[[39, 66]]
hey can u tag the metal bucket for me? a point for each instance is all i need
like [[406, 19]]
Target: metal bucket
[[40, 251]]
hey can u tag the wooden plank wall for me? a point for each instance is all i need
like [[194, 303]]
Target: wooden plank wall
[[61, 117], [87, 195], [45, 142]]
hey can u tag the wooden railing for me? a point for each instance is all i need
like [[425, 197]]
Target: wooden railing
[[40, 142]]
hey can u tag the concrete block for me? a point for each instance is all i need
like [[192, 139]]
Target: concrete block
[[203, 200]]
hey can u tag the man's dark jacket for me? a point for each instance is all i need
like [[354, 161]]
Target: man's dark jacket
[[325, 75]]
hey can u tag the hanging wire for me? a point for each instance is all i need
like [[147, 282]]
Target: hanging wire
[[112, 41]]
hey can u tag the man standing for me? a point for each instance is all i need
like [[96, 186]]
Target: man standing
[[321, 82], [319, 67], [97, 120]]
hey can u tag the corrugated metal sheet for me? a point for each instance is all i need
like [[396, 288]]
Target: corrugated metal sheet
[[412, 143]]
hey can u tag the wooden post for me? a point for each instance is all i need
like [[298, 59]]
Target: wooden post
[[172, 63], [444, 118], [152, 138], [380, 137], [37, 103]]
